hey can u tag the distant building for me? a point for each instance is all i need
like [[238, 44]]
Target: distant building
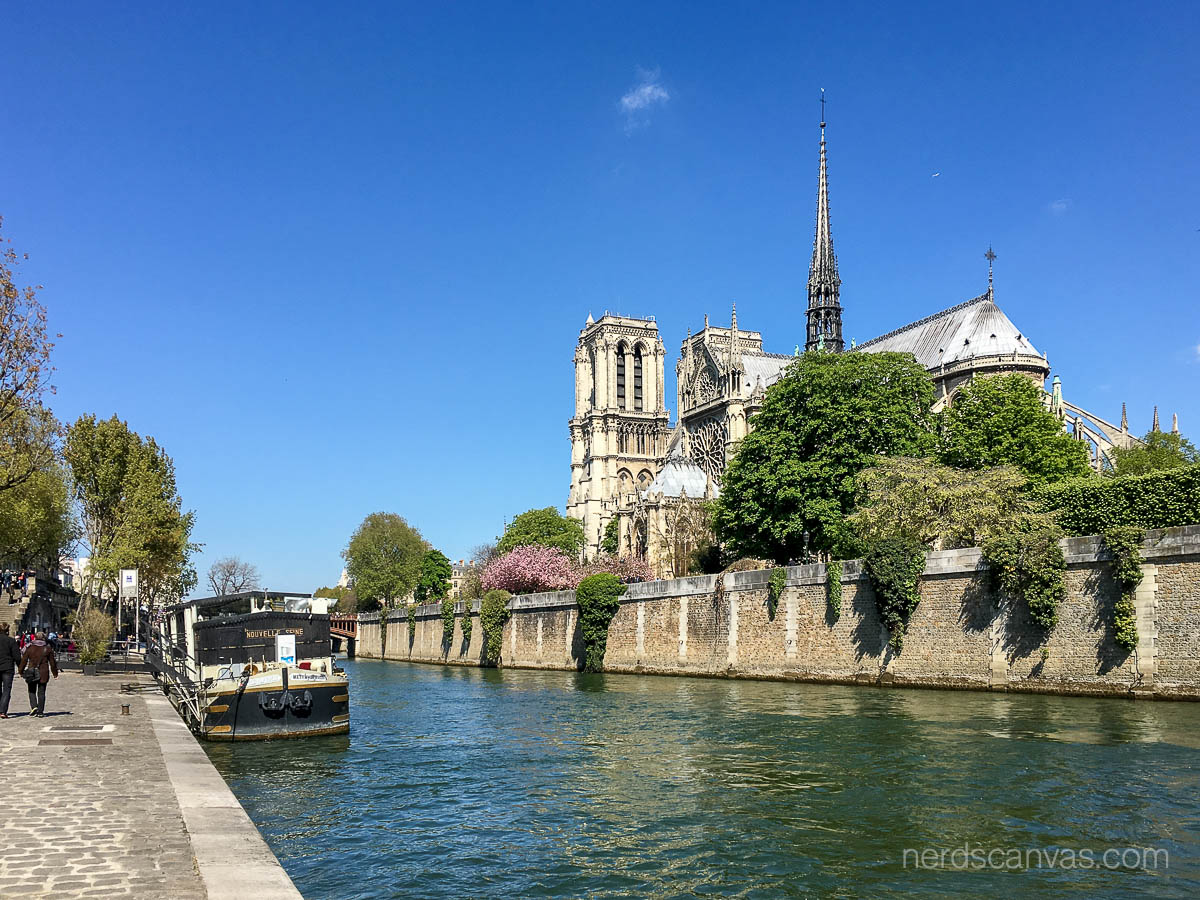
[[458, 576]]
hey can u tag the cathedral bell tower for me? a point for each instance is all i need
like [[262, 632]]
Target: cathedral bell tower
[[824, 285], [619, 430]]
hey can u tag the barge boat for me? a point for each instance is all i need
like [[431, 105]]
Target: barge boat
[[251, 666]]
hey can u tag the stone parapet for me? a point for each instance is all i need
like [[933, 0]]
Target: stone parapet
[[960, 636]]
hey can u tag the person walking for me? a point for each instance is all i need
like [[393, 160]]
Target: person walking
[[10, 659], [37, 662]]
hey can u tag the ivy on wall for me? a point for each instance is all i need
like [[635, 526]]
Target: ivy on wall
[[466, 625], [599, 598], [447, 620], [493, 613], [1093, 505], [775, 588], [894, 567], [412, 623], [383, 614], [1124, 542], [1030, 565], [833, 587]]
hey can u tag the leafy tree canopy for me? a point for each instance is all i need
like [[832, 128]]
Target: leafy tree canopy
[[28, 432], [1159, 451], [433, 582], [820, 425], [544, 527], [1001, 420], [940, 506], [383, 559], [131, 512], [611, 542], [36, 524]]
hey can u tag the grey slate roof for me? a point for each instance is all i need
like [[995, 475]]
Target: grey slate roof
[[975, 328], [768, 366], [677, 475]]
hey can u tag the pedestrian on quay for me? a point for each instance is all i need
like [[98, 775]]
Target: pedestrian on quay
[[37, 662], [10, 659]]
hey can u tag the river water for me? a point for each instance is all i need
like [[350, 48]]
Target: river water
[[461, 782]]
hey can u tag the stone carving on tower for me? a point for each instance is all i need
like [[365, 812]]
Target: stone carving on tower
[[824, 285], [619, 430], [721, 379]]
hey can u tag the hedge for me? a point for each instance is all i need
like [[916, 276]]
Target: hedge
[[1089, 506]]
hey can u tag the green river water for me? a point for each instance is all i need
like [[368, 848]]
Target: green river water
[[460, 782]]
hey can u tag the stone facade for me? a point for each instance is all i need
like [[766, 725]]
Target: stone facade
[[619, 430], [960, 635]]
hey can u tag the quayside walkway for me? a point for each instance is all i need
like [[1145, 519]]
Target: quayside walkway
[[100, 804]]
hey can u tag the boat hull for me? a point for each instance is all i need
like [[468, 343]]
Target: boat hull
[[259, 712]]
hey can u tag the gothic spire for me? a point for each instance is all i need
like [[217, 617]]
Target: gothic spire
[[1124, 420], [1155, 426], [824, 285], [1174, 423]]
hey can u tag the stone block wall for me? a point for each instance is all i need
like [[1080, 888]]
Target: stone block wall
[[960, 636]]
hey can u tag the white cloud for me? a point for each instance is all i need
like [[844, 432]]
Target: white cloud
[[639, 100], [1198, 352], [1059, 207]]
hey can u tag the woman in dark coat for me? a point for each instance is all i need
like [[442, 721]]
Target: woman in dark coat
[[39, 657]]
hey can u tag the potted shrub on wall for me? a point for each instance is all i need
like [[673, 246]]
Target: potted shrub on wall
[[93, 632]]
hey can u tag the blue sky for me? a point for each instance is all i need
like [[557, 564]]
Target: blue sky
[[336, 259]]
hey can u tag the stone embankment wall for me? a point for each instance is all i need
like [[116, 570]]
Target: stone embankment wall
[[960, 635]]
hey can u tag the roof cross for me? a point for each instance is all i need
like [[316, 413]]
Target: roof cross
[[991, 258]]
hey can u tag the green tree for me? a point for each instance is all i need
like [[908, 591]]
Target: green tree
[[132, 514], [433, 581], [28, 432], [1001, 420], [611, 542], [383, 560], [942, 507], [1158, 451], [820, 425], [36, 524], [545, 527]]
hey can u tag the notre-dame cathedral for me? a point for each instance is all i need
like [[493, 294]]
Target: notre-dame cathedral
[[628, 462]]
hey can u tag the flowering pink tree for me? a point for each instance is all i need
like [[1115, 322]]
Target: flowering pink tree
[[627, 568], [530, 569]]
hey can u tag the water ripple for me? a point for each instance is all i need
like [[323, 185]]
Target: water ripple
[[467, 783]]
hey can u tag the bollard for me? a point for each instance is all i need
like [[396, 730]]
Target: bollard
[[124, 709]]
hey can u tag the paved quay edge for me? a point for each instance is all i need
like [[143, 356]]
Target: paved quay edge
[[233, 859]]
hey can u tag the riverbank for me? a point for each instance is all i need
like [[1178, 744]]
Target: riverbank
[[102, 804], [961, 635]]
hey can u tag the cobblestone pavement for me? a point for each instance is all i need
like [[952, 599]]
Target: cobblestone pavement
[[90, 820]]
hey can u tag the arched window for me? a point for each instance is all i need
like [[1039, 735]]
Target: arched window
[[592, 365], [621, 376], [637, 377]]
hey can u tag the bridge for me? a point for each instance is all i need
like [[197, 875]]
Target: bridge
[[343, 632]]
